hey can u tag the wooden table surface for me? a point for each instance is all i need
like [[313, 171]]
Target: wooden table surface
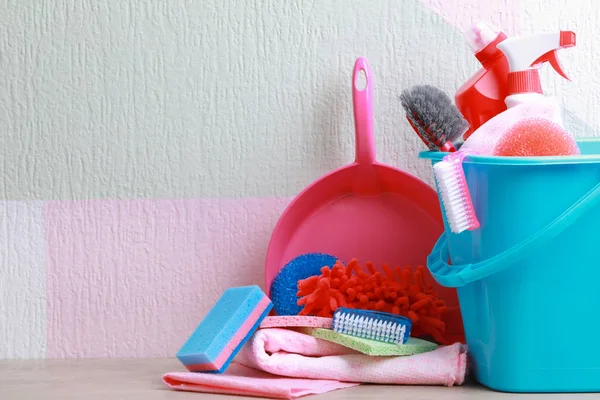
[[140, 379]]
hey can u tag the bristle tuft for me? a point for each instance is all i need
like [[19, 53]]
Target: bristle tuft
[[433, 116], [365, 325], [455, 196]]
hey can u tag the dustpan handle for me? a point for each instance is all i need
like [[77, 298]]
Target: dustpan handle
[[363, 113], [460, 275]]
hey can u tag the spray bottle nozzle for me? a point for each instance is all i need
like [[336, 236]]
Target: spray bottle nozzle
[[526, 53], [552, 58], [567, 39]]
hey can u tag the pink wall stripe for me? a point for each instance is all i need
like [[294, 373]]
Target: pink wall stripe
[[133, 278]]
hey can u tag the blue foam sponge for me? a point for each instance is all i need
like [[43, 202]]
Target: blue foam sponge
[[225, 329], [284, 287]]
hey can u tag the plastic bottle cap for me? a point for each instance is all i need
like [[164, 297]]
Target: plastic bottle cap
[[480, 35], [527, 81]]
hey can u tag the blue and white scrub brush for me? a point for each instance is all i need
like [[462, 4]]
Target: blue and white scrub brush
[[374, 325]]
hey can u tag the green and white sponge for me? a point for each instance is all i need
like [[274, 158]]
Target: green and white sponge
[[372, 347]]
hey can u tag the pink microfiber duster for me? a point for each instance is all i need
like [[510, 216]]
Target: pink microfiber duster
[[397, 290], [536, 136]]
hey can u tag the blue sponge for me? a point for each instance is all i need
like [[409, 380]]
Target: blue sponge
[[284, 287], [225, 329]]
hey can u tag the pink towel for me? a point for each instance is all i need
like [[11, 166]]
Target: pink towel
[[245, 381], [315, 366], [290, 353]]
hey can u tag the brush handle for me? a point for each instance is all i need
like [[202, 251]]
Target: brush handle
[[448, 147], [363, 113]]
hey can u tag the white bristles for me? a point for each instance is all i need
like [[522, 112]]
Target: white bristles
[[456, 199], [369, 327]]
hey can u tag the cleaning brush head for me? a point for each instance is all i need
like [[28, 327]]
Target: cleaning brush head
[[454, 192], [374, 325], [434, 118]]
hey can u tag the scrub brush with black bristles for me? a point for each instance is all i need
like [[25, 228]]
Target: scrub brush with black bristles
[[434, 118]]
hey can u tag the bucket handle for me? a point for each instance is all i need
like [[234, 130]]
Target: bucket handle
[[460, 275]]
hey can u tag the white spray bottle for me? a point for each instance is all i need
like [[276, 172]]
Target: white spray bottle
[[525, 55]]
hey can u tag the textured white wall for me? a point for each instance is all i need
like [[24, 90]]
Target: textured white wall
[[143, 98], [22, 280], [113, 100], [137, 98]]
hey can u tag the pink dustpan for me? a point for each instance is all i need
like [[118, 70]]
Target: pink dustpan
[[365, 210]]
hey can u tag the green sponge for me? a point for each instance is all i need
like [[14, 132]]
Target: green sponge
[[372, 347]]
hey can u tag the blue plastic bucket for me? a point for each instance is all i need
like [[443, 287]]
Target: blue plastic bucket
[[528, 278]]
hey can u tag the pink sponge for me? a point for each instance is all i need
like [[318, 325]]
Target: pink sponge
[[296, 321], [485, 138], [536, 136]]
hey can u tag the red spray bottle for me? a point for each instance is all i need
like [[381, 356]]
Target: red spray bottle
[[482, 97]]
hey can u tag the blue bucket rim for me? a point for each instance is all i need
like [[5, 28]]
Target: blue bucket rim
[[529, 161]]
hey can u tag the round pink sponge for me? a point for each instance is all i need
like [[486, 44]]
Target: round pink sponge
[[535, 136]]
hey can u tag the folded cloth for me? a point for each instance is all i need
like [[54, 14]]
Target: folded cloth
[[241, 380], [294, 354], [285, 364]]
